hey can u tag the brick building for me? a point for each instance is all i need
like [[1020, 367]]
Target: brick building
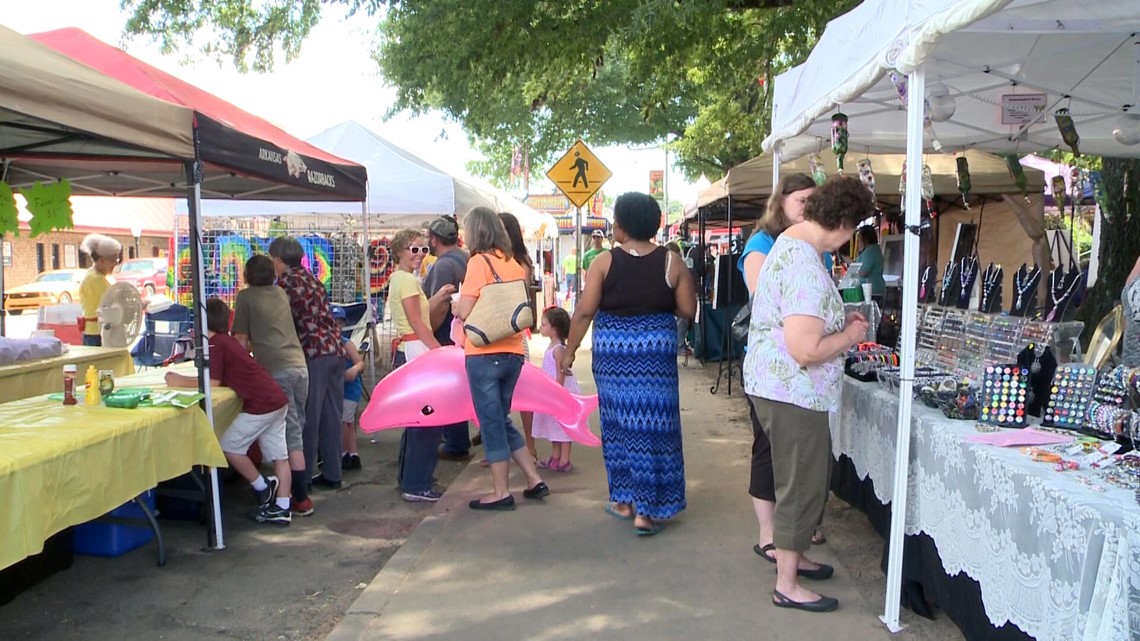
[[24, 256]]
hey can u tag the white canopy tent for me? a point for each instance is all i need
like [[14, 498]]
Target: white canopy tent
[[1083, 56], [402, 188]]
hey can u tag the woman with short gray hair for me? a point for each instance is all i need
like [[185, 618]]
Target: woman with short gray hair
[[324, 357], [105, 253]]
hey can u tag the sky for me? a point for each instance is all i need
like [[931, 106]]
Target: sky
[[333, 80]]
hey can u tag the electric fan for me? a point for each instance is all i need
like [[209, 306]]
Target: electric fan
[[120, 315]]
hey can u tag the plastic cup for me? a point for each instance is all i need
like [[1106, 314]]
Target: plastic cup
[[867, 292]]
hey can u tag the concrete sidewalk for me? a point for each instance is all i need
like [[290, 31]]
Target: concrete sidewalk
[[564, 569]]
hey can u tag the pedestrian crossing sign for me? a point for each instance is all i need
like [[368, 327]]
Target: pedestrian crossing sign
[[579, 174]]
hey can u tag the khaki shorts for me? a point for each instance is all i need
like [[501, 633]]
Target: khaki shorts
[[267, 429], [348, 413]]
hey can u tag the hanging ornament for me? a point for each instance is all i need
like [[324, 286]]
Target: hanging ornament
[[900, 83], [1068, 130], [1058, 187], [817, 172], [963, 178], [1099, 193], [839, 138], [902, 189], [1076, 184], [928, 190], [1017, 173], [866, 174]]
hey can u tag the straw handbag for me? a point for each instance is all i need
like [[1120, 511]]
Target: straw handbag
[[503, 310]]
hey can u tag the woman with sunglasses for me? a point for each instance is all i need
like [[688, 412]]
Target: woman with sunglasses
[[419, 447]]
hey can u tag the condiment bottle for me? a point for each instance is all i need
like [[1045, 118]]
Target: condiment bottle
[[92, 379], [69, 372]]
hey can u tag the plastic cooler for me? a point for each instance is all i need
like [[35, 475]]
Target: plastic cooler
[[61, 320], [99, 538]]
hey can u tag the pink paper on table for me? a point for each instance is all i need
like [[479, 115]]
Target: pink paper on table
[[1018, 438]]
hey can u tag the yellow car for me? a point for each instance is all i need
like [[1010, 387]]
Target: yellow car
[[55, 287]]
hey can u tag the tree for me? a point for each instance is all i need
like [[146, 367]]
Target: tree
[[1119, 200], [538, 75]]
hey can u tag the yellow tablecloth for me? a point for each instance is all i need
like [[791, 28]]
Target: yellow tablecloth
[[61, 466], [226, 403], [33, 378]]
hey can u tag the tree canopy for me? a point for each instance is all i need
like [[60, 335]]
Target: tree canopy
[[536, 74]]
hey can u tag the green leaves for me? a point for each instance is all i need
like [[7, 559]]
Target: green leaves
[[9, 222], [50, 206]]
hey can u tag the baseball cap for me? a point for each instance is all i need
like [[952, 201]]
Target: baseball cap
[[598, 234], [444, 227], [338, 313]]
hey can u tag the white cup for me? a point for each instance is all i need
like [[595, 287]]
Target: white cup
[[867, 292]]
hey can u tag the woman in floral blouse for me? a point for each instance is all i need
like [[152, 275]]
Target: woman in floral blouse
[[792, 370]]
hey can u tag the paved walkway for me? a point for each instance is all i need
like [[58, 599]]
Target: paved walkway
[[564, 569]]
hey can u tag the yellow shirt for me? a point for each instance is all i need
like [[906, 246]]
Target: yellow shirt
[[403, 285], [478, 275], [91, 291]]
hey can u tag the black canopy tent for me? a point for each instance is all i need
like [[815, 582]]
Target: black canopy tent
[[60, 119]]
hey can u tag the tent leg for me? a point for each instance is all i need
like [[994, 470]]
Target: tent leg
[[372, 345], [911, 240], [214, 539]]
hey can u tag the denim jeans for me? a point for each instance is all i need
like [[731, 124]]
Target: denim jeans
[[456, 439], [322, 415], [492, 378], [419, 452], [93, 340]]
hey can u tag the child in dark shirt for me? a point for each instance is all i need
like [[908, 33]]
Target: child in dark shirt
[[262, 419]]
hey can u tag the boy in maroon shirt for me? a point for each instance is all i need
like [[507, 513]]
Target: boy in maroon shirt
[[262, 419]]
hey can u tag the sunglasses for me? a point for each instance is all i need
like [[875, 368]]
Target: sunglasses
[[418, 249]]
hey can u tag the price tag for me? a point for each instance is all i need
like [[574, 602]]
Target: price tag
[[50, 206]]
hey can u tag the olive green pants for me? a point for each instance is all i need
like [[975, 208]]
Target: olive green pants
[[801, 465]]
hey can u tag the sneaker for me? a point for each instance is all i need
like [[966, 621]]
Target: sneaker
[[319, 481], [444, 455], [426, 496], [350, 462], [301, 508], [269, 494], [273, 514]]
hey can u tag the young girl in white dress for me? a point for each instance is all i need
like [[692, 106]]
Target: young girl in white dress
[[555, 326]]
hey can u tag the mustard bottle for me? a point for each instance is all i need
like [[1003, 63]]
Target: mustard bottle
[[92, 381]]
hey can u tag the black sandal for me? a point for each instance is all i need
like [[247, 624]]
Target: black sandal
[[763, 551]]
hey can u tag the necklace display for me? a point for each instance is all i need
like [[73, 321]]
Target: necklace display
[[991, 289], [1062, 286], [966, 278], [1025, 282], [949, 285], [925, 286]]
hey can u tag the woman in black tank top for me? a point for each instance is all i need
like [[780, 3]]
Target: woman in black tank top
[[631, 296]]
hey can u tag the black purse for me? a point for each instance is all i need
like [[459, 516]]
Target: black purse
[[741, 322]]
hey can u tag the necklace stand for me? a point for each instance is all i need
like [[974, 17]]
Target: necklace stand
[[1062, 287], [949, 286], [967, 278], [926, 284], [991, 289], [1025, 282]]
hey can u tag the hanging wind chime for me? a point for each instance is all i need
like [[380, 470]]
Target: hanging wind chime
[[839, 138], [866, 174], [1076, 185], [928, 190], [902, 189], [1068, 130], [1057, 186], [963, 179], [1017, 173], [818, 174]]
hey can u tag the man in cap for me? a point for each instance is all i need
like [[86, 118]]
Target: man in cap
[[450, 268], [595, 249]]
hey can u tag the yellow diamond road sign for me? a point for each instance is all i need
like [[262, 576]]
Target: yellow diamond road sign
[[579, 174]]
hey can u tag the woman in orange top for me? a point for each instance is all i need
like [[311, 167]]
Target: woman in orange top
[[492, 371]]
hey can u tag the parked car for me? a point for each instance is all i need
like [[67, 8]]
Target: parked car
[[55, 287], [147, 274]]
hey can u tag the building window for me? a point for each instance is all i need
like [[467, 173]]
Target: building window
[[131, 252], [55, 256], [40, 255]]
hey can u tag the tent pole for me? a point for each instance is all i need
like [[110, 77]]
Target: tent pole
[[3, 313], [911, 239], [578, 256], [371, 324], [214, 540]]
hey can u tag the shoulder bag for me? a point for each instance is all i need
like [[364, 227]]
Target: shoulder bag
[[503, 310]]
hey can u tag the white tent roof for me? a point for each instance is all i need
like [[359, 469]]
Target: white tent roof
[[400, 185], [1079, 54]]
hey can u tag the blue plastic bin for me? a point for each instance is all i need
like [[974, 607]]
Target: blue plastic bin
[[96, 538]]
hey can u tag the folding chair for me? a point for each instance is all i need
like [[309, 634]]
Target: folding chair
[[167, 338], [1106, 338], [358, 330]]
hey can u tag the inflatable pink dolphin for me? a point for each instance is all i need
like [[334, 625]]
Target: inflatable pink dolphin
[[432, 390]]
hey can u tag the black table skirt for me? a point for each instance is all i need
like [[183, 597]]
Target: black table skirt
[[925, 583]]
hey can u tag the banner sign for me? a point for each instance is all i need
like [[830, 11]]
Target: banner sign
[[50, 206], [9, 222]]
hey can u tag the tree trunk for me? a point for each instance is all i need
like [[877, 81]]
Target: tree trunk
[[1119, 239]]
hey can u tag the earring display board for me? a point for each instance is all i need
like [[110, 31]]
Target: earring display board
[[926, 341], [1111, 402], [951, 340], [1003, 394], [1070, 395]]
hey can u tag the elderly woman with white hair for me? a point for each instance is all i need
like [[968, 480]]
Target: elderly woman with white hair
[[105, 254]]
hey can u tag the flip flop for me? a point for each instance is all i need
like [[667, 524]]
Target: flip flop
[[651, 530], [817, 537], [618, 515], [763, 551]]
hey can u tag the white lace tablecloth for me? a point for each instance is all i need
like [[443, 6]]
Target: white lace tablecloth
[[1055, 558]]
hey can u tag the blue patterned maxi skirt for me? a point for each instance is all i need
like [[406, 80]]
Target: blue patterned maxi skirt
[[635, 369]]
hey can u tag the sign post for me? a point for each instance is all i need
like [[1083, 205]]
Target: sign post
[[579, 174]]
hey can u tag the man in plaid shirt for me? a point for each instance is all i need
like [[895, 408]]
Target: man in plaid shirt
[[320, 338]]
